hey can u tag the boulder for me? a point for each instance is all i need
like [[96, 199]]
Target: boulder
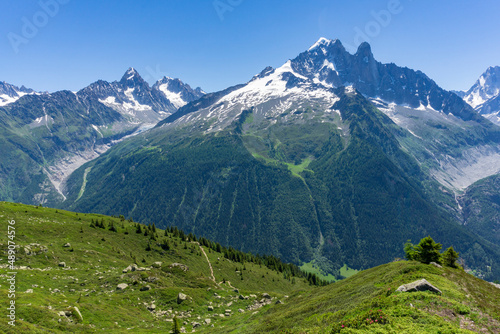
[[420, 285], [208, 321], [266, 296], [145, 288], [62, 264], [181, 266], [210, 309], [436, 264], [196, 324], [67, 244], [156, 264], [29, 291], [495, 285], [122, 286], [181, 297]]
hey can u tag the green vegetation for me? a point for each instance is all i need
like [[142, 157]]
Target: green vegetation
[[427, 251], [101, 247], [70, 264], [358, 196]]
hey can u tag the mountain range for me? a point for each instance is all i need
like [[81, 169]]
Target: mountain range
[[332, 159], [46, 136]]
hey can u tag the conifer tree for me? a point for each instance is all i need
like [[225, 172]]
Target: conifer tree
[[450, 257]]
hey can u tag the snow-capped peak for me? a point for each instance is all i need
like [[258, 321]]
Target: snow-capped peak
[[177, 92], [485, 88], [320, 42], [10, 93]]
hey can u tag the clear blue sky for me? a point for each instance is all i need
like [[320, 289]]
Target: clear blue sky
[[453, 42]]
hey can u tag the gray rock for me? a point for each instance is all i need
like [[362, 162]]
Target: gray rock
[[156, 264], [266, 296], [145, 288], [61, 313], [196, 324], [208, 321], [210, 309], [152, 307], [62, 264], [29, 291], [67, 244], [241, 310], [236, 290], [181, 297], [181, 266], [279, 302], [122, 286], [436, 264], [495, 285], [420, 285]]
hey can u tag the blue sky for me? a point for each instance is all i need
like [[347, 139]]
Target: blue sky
[[218, 43]]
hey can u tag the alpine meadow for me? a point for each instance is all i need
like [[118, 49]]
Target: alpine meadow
[[333, 192]]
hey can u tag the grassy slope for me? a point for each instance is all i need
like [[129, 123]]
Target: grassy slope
[[95, 268], [467, 303]]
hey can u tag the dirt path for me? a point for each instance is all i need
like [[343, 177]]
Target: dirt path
[[209, 264]]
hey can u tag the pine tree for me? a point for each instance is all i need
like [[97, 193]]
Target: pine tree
[[450, 257], [426, 251], [409, 249]]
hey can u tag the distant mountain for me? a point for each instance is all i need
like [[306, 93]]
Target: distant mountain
[[331, 159], [178, 92], [10, 93], [484, 95], [47, 136]]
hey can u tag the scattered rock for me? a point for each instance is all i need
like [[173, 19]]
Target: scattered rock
[[181, 266], [151, 307], [156, 264], [266, 296], [67, 245], [35, 249], [29, 291], [196, 324], [61, 313], [122, 286], [208, 321], [236, 290], [210, 309], [62, 264], [420, 285], [241, 310], [181, 297], [436, 264], [279, 302], [56, 290], [145, 288]]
